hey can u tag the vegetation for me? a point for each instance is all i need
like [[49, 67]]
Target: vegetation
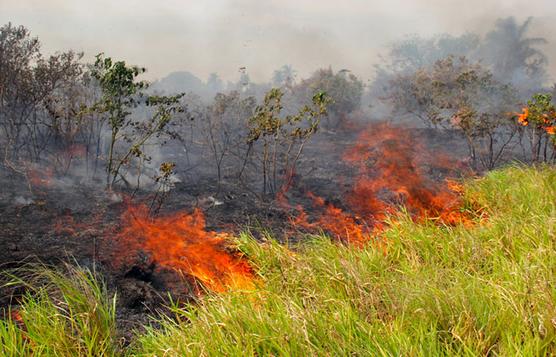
[[469, 84], [55, 109], [420, 289], [283, 138], [284, 76], [539, 120], [58, 113], [456, 94], [64, 313], [514, 56], [344, 89], [506, 51], [73, 117], [224, 127], [121, 93], [37, 112]]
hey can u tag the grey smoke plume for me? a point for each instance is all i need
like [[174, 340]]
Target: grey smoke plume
[[222, 36]]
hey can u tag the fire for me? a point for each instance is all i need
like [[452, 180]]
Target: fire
[[65, 224], [523, 118], [545, 122], [180, 242], [391, 160], [342, 225], [393, 170], [15, 316]]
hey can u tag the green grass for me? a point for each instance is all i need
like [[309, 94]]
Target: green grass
[[64, 313], [489, 289]]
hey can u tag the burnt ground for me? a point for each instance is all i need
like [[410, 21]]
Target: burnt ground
[[58, 225], [74, 222]]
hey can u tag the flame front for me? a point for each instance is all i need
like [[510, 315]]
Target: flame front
[[181, 243], [393, 170]]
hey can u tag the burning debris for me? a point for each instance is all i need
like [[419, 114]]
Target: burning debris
[[179, 242]]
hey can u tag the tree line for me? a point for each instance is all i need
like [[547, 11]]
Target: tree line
[[102, 121]]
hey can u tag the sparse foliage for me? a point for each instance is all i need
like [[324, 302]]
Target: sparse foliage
[[456, 94], [539, 120], [121, 93], [343, 89], [224, 128], [283, 138], [40, 100], [164, 183]]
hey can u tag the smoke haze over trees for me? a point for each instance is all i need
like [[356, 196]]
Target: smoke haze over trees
[[222, 36], [471, 83]]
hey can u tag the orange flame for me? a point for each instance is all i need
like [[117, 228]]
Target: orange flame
[[390, 159], [393, 171], [523, 118], [340, 224], [180, 242]]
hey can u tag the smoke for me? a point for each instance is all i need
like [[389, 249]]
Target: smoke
[[221, 36]]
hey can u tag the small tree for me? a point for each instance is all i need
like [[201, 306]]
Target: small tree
[[283, 138], [29, 84], [343, 89], [224, 127], [539, 117], [121, 93]]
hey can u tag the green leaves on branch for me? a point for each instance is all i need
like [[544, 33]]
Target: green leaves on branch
[[282, 138], [120, 89], [122, 92], [456, 94], [541, 111], [267, 121]]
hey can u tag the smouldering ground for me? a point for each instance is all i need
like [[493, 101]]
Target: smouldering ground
[[482, 289]]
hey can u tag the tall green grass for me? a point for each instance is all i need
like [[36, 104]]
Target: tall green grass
[[487, 289], [63, 313]]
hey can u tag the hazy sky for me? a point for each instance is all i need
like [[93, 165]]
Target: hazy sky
[[220, 36]]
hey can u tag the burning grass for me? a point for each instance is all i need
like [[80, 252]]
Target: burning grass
[[437, 290], [181, 243], [393, 170], [484, 289]]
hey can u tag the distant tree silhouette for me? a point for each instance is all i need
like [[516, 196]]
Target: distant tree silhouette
[[214, 83], [344, 89], [512, 55], [284, 77]]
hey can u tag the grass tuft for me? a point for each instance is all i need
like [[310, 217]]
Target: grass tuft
[[63, 313]]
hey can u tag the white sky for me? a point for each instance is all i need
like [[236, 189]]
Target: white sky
[[220, 36]]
